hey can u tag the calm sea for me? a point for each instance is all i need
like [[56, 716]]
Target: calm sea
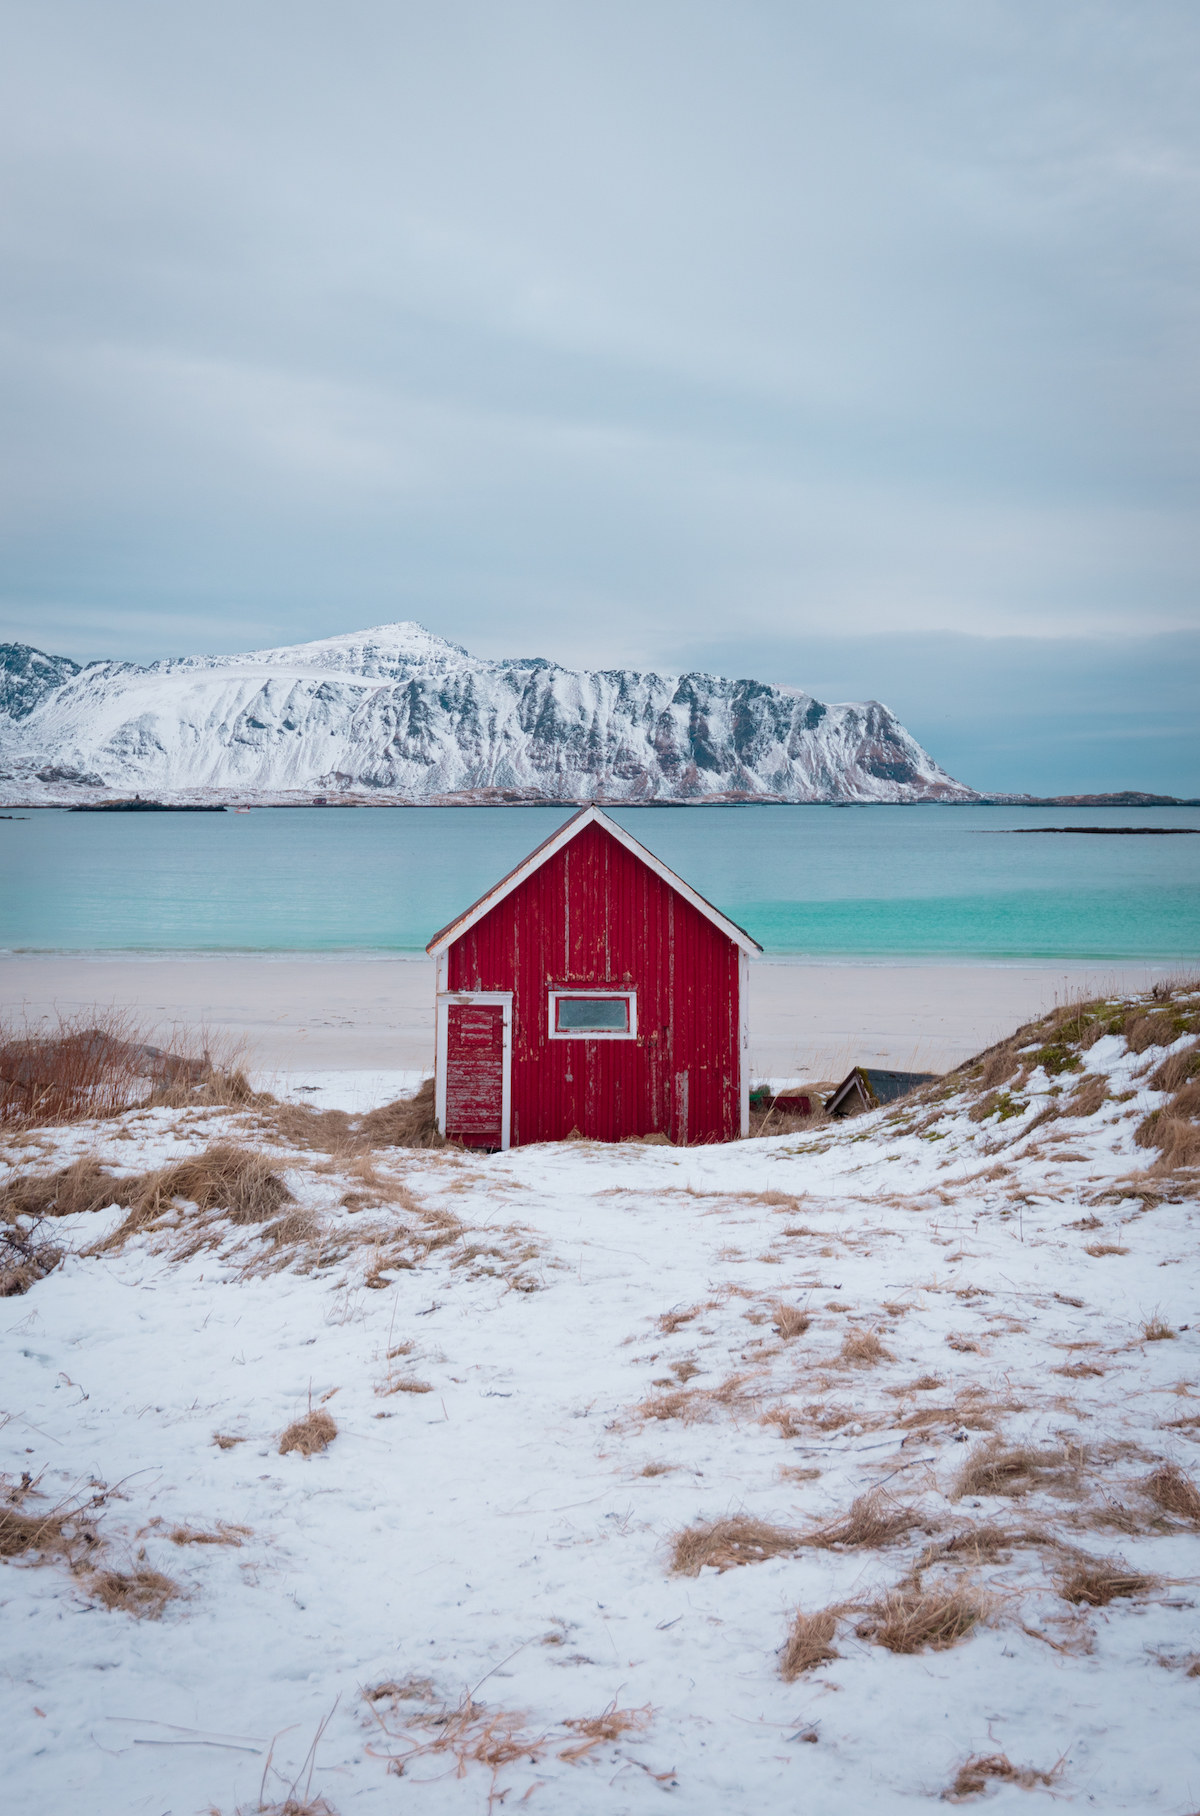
[[826, 881]]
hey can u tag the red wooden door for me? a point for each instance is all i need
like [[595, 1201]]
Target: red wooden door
[[475, 1074]]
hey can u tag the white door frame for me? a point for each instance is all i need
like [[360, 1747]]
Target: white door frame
[[462, 997], [744, 1042]]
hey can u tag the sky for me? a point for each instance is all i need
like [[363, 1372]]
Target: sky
[[850, 347]]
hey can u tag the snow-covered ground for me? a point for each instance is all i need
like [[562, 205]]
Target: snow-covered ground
[[543, 1366], [352, 1091]]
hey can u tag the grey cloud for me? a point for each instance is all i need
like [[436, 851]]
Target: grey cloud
[[598, 331]]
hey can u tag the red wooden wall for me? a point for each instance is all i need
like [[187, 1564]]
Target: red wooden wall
[[595, 916]]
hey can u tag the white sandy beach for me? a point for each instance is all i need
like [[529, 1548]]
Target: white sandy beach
[[304, 1018]]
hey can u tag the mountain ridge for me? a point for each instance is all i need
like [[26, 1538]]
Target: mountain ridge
[[396, 712]]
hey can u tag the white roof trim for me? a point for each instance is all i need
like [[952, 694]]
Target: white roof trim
[[588, 816]]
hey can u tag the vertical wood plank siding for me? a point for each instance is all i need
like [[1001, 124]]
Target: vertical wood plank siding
[[595, 916]]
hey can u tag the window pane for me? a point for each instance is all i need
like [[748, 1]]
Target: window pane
[[600, 1014]]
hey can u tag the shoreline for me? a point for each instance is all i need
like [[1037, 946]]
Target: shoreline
[[297, 1014], [360, 955], [218, 800]]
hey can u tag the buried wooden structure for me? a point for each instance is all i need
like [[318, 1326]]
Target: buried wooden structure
[[591, 992], [865, 1088]]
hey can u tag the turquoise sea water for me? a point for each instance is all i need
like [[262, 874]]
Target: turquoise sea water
[[866, 881]]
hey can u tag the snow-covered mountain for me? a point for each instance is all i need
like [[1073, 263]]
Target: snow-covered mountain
[[398, 713]]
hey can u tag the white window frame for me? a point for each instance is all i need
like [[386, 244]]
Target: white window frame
[[626, 996], [464, 998]]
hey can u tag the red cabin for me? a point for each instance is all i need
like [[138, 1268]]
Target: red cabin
[[591, 992]]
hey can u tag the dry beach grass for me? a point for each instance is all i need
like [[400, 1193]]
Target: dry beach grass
[[310, 1435]]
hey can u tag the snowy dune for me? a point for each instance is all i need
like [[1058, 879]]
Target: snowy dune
[[545, 1366]]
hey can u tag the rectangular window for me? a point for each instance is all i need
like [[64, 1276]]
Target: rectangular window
[[593, 1015]]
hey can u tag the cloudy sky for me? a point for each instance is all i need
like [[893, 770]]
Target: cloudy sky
[[852, 346]]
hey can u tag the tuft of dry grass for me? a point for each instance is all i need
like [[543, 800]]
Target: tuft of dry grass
[[1177, 1069], [984, 1544], [83, 1186], [144, 1593], [826, 1417], [408, 1689], [99, 1064], [679, 1404], [1179, 1139], [998, 1469], [1175, 1129], [409, 1385], [1174, 1492], [732, 1391], [724, 1544], [1143, 1031], [224, 1178], [291, 1806], [657, 1469], [785, 1418], [24, 1260], [789, 1321], [809, 1644], [916, 1620], [1089, 1095], [22, 1532], [925, 1416], [296, 1227], [871, 1521], [223, 1534], [1080, 1371], [407, 1123], [999, 1066], [1096, 1249], [309, 1435], [60, 1532], [1157, 1330], [610, 1725], [983, 1769], [772, 1121], [470, 1732], [1094, 1582], [85, 1067], [670, 1321], [862, 1349]]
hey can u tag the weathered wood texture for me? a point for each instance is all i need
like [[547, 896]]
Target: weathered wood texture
[[475, 1073]]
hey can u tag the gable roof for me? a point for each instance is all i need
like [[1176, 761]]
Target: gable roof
[[541, 854]]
